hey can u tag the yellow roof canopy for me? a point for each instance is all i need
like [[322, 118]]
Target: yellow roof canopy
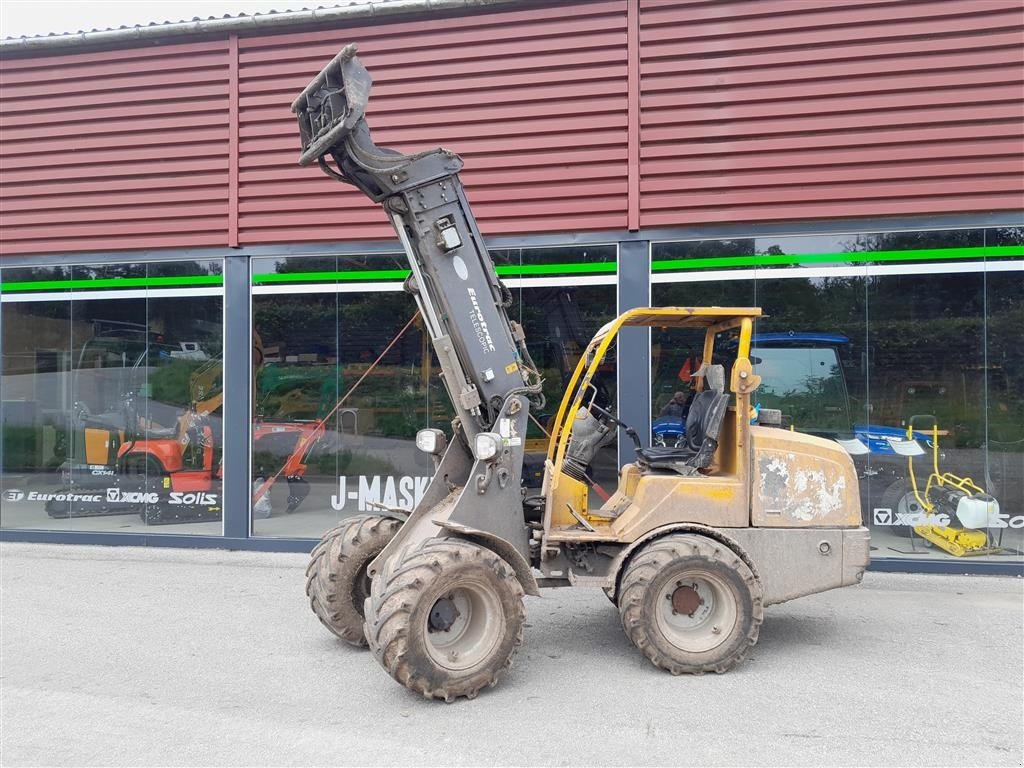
[[717, 318], [686, 317]]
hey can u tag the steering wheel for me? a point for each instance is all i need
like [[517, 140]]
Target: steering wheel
[[608, 417]]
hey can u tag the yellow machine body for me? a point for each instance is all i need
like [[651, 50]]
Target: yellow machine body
[[101, 445], [760, 476], [960, 542]]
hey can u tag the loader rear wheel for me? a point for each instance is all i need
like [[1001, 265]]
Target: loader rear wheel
[[446, 619], [691, 604], [336, 580]]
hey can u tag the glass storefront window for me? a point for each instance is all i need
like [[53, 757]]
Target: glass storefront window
[[348, 377], [346, 382], [112, 394], [872, 335], [112, 385]]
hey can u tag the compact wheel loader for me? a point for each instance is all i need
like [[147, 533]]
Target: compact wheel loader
[[695, 542]]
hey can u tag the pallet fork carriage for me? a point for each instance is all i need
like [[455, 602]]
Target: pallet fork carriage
[[694, 543]]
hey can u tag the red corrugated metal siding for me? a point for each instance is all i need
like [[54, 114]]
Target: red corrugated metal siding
[[749, 110], [534, 101], [761, 110], [115, 150]]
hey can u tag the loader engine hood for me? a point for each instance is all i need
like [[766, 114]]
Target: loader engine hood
[[801, 481]]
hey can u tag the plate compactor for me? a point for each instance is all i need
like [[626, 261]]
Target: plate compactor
[[698, 537], [947, 511]]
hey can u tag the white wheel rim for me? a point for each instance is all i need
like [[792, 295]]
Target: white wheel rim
[[909, 505], [713, 615], [474, 632]]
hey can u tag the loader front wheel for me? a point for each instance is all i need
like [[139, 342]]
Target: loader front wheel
[[446, 619], [691, 604], [336, 579]]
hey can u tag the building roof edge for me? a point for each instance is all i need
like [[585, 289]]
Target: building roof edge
[[153, 32]]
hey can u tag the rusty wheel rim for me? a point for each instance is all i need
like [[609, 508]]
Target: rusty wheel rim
[[696, 613]]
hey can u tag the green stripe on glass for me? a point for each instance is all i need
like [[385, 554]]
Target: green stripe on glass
[[331, 277], [921, 254], [601, 268], [384, 275], [113, 282]]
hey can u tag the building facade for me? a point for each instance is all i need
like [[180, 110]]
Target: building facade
[[204, 344]]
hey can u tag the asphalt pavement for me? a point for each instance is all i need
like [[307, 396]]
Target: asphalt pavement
[[134, 656]]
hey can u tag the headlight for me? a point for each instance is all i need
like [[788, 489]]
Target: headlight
[[431, 441], [486, 446]]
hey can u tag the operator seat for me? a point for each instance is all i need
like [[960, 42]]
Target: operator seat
[[147, 432], [137, 428], [703, 426]]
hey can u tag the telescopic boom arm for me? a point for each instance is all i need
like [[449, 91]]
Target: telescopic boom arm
[[482, 352], [476, 491]]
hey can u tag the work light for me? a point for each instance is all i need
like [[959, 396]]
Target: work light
[[486, 446], [431, 441]]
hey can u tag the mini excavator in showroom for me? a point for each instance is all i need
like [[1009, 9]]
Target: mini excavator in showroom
[[697, 539]]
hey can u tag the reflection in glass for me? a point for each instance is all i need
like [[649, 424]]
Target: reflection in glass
[[348, 377], [909, 352], [111, 401], [346, 383]]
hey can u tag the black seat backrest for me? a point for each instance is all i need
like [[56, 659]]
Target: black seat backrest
[[695, 420], [703, 426], [711, 428], [701, 409]]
